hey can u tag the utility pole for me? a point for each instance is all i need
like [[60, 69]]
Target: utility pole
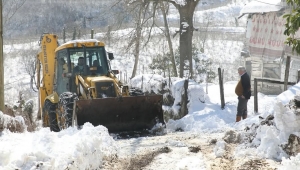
[[1, 62]]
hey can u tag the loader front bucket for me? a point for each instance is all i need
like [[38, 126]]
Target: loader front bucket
[[132, 113]]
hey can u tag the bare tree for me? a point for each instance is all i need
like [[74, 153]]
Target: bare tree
[[186, 12], [28, 62], [10, 8], [142, 16], [167, 34], [204, 30], [137, 38]]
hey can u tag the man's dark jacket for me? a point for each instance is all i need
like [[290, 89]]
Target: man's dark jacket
[[245, 79]]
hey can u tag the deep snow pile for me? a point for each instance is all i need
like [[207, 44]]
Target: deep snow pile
[[272, 132], [67, 149]]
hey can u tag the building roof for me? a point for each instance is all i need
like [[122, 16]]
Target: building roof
[[262, 6]]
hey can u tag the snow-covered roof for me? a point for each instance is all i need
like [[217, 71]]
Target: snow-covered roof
[[260, 6]]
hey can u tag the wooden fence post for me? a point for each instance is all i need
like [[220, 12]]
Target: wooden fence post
[[2, 105], [255, 96], [74, 34], [64, 34], [286, 75], [142, 83], [207, 83], [92, 34], [298, 78], [221, 88]]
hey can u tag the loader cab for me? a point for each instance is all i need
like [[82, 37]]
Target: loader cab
[[92, 61], [94, 58]]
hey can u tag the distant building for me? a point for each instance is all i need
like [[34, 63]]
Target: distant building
[[265, 52]]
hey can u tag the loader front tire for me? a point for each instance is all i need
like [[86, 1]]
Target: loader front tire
[[49, 116], [66, 106]]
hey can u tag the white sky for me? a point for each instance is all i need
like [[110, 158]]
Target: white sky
[[86, 148]]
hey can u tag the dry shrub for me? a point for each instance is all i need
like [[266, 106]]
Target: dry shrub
[[9, 121], [17, 120]]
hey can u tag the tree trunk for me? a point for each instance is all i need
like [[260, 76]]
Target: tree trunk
[[186, 13], [184, 100], [137, 41], [167, 34]]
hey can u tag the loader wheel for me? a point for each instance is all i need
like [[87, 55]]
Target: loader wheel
[[66, 104], [49, 116]]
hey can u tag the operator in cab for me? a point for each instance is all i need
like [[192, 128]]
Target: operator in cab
[[79, 69]]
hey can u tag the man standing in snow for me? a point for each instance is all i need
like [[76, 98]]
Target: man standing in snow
[[243, 91]]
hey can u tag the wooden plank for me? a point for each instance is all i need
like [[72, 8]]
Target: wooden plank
[[248, 59], [253, 77], [256, 58], [272, 65], [274, 81], [256, 74], [257, 65]]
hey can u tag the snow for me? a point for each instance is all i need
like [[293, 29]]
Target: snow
[[78, 149], [89, 146], [68, 149], [219, 150], [292, 163], [260, 6], [180, 2]]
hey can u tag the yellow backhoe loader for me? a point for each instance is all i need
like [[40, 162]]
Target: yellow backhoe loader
[[76, 85]]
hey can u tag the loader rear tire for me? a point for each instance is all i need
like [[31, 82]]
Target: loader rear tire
[[49, 116]]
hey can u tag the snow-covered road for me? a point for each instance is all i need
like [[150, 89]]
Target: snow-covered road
[[182, 151]]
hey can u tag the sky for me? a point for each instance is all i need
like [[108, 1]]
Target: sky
[[74, 148]]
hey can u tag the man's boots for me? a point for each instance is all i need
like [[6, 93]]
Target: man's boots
[[238, 118], [245, 116]]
